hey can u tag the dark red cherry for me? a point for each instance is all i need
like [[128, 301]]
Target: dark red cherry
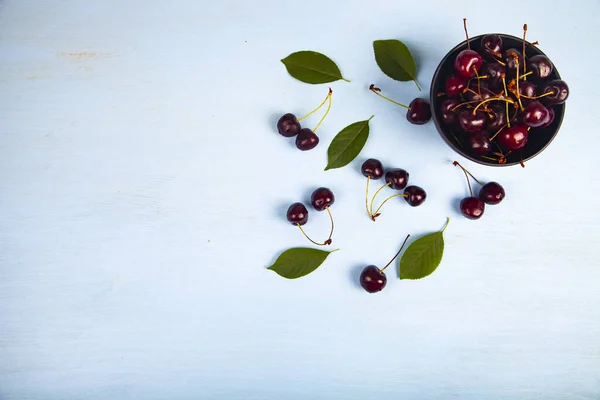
[[397, 178], [372, 279], [535, 114], [512, 57], [492, 46], [416, 195], [322, 198], [491, 193], [550, 118], [527, 89], [467, 63], [419, 112], [306, 139], [373, 168], [297, 214], [513, 138], [471, 122], [477, 91], [559, 90], [448, 112], [455, 86], [496, 117], [479, 143], [494, 73], [288, 125], [472, 207], [541, 66]]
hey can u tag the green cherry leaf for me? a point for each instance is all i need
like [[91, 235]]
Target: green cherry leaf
[[312, 67], [347, 144], [423, 255], [299, 261], [395, 60]]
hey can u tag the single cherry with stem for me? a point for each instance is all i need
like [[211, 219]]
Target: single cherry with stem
[[373, 170], [373, 279], [467, 62], [289, 126], [307, 139], [297, 214], [470, 207], [419, 110]]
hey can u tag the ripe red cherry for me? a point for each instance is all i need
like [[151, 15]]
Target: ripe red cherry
[[550, 118], [297, 214], [467, 63], [322, 198], [472, 207], [372, 279], [419, 112], [479, 143], [492, 193], [470, 122], [448, 112], [513, 138], [455, 86], [535, 114], [306, 139], [559, 90], [540, 65], [491, 45]]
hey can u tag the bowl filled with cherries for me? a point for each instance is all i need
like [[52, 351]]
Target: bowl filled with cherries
[[497, 99]]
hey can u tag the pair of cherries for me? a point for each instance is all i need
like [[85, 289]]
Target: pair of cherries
[[491, 193], [321, 199], [306, 139], [397, 179]]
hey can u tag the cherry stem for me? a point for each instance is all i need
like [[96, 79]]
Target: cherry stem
[[497, 132], [328, 241], [312, 241], [377, 213], [466, 33], [524, 36], [456, 163], [550, 93], [397, 254], [465, 103], [376, 90], [323, 118], [478, 81], [506, 94], [367, 196], [374, 196], [500, 62], [316, 109], [491, 99]]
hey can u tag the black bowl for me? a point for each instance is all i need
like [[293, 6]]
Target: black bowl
[[539, 138]]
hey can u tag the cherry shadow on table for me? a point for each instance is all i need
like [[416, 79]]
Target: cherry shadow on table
[[354, 275]]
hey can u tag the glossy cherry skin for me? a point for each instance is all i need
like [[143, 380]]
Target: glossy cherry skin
[[373, 168], [492, 46], [419, 112], [492, 193], [455, 86], [494, 72], [322, 198], [512, 57], [479, 143], [448, 112], [372, 279], [541, 66], [527, 89], [535, 114], [496, 118], [560, 92], [397, 178], [306, 139], [473, 94], [416, 195], [288, 125], [472, 207], [466, 63], [470, 122], [513, 138], [297, 214], [550, 118]]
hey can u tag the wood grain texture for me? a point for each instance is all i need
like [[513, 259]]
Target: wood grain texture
[[143, 192]]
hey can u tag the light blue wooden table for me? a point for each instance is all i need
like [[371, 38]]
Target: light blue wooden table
[[143, 191]]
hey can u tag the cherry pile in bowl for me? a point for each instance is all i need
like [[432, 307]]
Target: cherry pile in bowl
[[497, 99]]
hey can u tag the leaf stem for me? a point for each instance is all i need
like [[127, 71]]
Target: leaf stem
[[344, 79], [397, 254], [376, 90], [446, 224], [316, 109], [417, 83]]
